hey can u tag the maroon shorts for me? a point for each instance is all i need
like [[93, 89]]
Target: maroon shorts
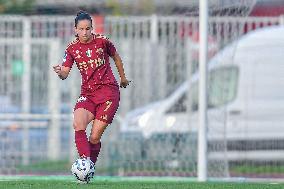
[[103, 103]]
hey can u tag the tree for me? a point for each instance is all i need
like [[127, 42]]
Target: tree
[[16, 6]]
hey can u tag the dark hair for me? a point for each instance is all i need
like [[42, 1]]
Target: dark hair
[[82, 15]]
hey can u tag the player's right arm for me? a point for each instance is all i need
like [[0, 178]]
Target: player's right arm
[[63, 70]]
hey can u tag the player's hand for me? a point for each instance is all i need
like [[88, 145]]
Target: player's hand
[[124, 82], [57, 69]]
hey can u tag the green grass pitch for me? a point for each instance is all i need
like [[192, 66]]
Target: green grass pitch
[[62, 182]]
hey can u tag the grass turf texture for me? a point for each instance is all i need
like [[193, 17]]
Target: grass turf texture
[[62, 182]]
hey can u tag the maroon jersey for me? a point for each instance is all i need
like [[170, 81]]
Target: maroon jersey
[[92, 59]]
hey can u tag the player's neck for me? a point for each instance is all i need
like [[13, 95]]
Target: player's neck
[[86, 41]]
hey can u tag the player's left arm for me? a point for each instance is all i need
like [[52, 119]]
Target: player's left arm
[[119, 65]]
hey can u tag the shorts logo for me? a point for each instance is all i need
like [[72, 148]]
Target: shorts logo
[[104, 117], [81, 99], [108, 104]]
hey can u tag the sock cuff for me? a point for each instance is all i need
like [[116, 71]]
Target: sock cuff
[[80, 132]]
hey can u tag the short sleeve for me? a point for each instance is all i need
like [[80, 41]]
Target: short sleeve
[[68, 60], [111, 50]]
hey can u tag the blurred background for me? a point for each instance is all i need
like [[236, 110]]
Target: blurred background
[[155, 129]]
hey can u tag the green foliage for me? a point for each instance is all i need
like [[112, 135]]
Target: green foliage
[[16, 6], [141, 7], [146, 7], [115, 7]]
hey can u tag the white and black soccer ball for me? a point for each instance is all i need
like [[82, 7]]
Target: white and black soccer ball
[[83, 169]]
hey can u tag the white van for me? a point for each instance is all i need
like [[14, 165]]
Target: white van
[[246, 94]]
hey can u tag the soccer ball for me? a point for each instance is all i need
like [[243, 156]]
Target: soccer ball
[[83, 169]]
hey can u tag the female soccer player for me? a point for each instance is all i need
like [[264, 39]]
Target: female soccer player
[[100, 94]]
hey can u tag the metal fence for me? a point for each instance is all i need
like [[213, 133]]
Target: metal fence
[[159, 54]]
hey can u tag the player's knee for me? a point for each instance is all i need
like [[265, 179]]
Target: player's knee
[[94, 139], [78, 126]]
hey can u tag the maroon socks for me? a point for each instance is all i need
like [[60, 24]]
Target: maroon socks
[[82, 143], [86, 148], [95, 150]]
